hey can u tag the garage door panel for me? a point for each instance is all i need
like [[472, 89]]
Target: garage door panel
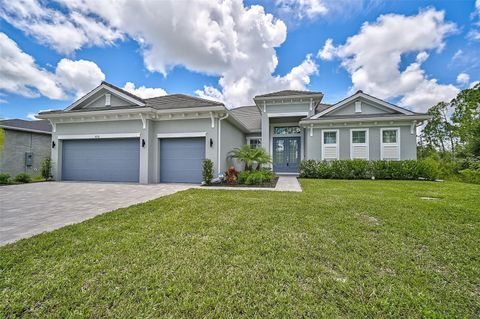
[[112, 160], [181, 160]]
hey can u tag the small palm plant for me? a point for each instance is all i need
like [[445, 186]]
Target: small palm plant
[[250, 155]]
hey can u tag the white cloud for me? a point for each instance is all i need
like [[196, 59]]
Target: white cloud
[[463, 78], [19, 74], [301, 9], [143, 91], [221, 38], [79, 76], [457, 55], [328, 51], [64, 32], [373, 56], [473, 84]]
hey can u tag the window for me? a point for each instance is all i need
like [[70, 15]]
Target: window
[[390, 144], [330, 144], [359, 144], [359, 137], [286, 130], [389, 136], [330, 137], [255, 142]]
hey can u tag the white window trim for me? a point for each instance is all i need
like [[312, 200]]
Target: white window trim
[[367, 133], [390, 144], [180, 135], [336, 144], [249, 138], [97, 136]]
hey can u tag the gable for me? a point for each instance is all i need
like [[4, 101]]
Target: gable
[[366, 108], [99, 99], [106, 95]]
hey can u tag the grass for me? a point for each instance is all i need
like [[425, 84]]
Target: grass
[[339, 249]]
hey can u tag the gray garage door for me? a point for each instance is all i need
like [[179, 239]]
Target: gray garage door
[[106, 160], [181, 159]]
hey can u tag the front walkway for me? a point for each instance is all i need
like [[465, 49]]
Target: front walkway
[[30, 209], [288, 184]]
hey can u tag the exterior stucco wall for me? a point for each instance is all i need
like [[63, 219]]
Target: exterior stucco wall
[[17, 143], [99, 101], [231, 137], [408, 147]]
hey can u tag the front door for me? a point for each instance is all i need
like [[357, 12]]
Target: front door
[[286, 154]]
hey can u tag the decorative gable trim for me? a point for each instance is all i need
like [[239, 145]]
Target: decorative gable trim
[[364, 96], [110, 89]]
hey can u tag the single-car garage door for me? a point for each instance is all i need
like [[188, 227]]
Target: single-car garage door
[[181, 159], [106, 160]]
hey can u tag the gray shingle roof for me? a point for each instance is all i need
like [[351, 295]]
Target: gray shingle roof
[[22, 125], [288, 93], [179, 101], [248, 116], [322, 107]]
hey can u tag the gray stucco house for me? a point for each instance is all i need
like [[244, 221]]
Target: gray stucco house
[[112, 135], [25, 145]]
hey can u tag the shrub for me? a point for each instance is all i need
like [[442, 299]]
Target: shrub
[[207, 171], [4, 178], [255, 177], [23, 178], [46, 168], [361, 169], [470, 175], [231, 176], [250, 156]]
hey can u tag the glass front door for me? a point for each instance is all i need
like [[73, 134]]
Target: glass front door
[[286, 154]]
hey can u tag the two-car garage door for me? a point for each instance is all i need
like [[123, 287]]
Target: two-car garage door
[[118, 160], [106, 160]]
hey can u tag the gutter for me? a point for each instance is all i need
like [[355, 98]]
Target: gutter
[[14, 128], [219, 140]]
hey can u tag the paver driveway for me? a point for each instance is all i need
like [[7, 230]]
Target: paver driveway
[[29, 209]]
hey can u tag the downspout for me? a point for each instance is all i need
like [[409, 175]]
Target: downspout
[[219, 139]]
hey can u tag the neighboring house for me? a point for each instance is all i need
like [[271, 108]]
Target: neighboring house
[[112, 135], [25, 145]]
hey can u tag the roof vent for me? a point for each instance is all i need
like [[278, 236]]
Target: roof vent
[[358, 107], [108, 101]]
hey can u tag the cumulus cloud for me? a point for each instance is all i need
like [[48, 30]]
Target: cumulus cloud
[[373, 56], [143, 91], [463, 78], [19, 74], [65, 32], [328, 51], [300, 9], [33, 116], [221, 38]]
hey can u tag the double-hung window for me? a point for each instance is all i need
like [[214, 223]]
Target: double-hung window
[[390, 143], [330, 144], [359, 144]]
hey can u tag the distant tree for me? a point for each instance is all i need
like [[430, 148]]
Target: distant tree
[[466, 119], [439, 131]]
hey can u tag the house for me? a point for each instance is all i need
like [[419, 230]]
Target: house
[[25, 145], [113, 135]]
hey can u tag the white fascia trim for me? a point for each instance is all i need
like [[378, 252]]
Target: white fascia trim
[[287, 114], [98, 136], [366, 144], [180, 135], [289, 97], [325, 120], [366, 97], [110, 89]]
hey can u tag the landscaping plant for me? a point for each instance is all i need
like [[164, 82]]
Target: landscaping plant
[[231, 176], [46, 168], [23, 178], [4, 178], [207, 171], [250, 156]]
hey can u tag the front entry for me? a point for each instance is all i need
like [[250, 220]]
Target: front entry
[[286, 154]]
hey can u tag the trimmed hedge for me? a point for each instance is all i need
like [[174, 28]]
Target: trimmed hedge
[[470, 175], [360, 169], [255, 177]]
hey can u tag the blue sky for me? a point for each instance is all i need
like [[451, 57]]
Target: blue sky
[[413, 53]]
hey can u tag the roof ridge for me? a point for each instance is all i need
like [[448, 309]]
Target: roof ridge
[[121, 90]]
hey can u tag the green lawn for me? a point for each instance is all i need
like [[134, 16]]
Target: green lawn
[[339, 249]]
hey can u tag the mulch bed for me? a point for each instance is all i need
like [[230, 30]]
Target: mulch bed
[[271, 184]]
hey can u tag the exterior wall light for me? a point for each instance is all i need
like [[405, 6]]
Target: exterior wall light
[[53, 144], [143, 142], [211, 142]]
